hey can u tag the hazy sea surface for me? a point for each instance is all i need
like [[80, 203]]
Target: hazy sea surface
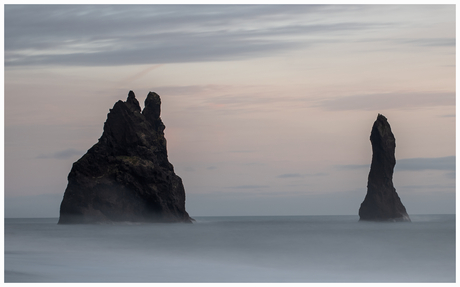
[[233, 249]]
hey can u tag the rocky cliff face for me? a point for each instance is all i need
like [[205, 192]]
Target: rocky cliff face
[[126, 176], [382, 203]]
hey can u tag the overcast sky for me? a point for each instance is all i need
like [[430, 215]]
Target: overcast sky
[[268, 108]]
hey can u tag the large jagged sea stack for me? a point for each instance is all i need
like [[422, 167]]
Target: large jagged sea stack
[[126, 176], [382, 203]]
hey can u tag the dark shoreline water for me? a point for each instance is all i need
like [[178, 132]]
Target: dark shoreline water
[[233, 249]]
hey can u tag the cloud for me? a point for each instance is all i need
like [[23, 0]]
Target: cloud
[[196, 90], [414, 164], [253, 164], [248, 186], [451, 175], [63, 154], [242, 151], [289, 175], [388, 101], [417, 164], [106, 35], [430, 186], [298, 175], [430, 42]]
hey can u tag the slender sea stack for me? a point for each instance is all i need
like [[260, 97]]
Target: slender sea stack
[[126, 176], [382, 203]]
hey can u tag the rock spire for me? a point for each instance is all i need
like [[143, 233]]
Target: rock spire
[[382, 203], [126, 175]]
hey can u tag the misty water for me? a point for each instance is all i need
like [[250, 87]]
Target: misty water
[[233, 249]]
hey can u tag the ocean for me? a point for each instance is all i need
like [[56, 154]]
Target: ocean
[[233, 249]]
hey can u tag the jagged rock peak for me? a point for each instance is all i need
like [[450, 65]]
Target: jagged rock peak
[[126, 175], [153, 99], [132, 102], [382, 203], [152, 106], [382, 129]]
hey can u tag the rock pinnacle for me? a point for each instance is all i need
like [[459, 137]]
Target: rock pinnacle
[[382, 203], [126, 175]]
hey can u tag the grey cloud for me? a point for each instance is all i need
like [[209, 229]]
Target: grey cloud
[[248, 186], [185, 49], [388, 101], [289, 175], [123, 34], [64, 154], [80, 22], [431, 186], [319, 174], [431, 42], [451, 175], [414, 164], [189, 90], [253, 164], [87, 20], [298, 175], [411, 42]]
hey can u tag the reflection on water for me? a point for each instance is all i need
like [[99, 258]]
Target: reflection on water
[[233, 249]]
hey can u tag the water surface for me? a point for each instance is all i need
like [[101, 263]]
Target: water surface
[[233, 249]]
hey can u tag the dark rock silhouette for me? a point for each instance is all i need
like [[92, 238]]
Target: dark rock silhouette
[[126, 176], [382, 203]]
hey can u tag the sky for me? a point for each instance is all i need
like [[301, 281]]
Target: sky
[[268, 108]]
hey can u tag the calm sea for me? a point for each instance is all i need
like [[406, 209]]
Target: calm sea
[[233, 249]]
